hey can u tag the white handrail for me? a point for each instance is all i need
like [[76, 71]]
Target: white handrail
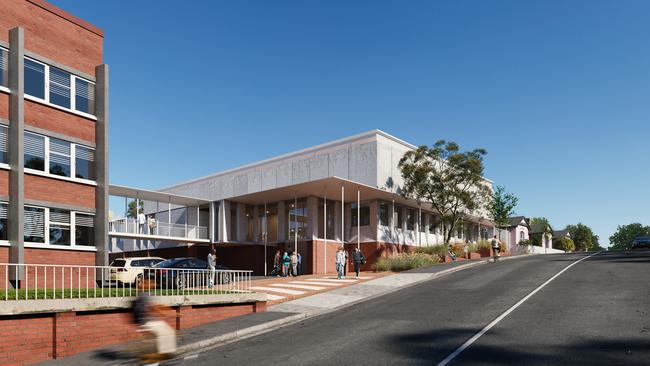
[[131, 226]]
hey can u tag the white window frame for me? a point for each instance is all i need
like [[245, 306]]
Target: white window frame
[[70, 225], [73, 91], [5, 88], [73, 237], [5, 165], [4, 242], [73, 162]]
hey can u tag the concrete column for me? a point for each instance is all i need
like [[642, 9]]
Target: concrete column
[[101, 164], [374, 219], [282, 222], [224, 221], [211, 222], [391, 222], [347, 232], [16, 214], [241, 222], [256, 224], [427, 221], [312, 214], [338, 233]]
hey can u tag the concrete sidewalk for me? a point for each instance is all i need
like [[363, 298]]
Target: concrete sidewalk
[[229, 330]]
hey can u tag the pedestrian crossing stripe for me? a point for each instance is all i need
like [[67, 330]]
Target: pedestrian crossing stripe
[[302, 287], [271, 297], [332, 284], [276, 289], [332, 280]]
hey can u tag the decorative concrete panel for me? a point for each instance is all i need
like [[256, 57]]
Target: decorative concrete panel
[[284, 175], [240, 184], [398, 182], [338, 163], [384, 167], [300, 171], [254, 181], [363, 162], [227, 184], [269, 175], [319, 167]]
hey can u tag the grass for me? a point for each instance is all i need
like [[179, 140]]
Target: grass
[[405, 261], [83, 293]]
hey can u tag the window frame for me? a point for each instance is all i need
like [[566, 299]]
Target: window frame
[[72, 226], [6, 128], [73, 90], [6, 204], [5, 88], [73, 161]]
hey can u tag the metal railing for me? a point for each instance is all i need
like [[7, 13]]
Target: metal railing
[[131, 226], [47, 282]]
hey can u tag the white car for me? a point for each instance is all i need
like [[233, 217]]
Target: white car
[[129, 270]]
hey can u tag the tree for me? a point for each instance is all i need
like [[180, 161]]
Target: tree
[[448, 179], [565, 244], [131, 212], [625, 234], [582, 236], [501, 207], [541, 221], [537, 238]]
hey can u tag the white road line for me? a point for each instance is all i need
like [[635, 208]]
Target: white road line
[[274, 297], [280, 290], [302, 287], [478, 335], [332, 280], [191, 357], [318, 283], [354, 277]]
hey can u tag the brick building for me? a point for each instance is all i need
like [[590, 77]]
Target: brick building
[[53, 137]]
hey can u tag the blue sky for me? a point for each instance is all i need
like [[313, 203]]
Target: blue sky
[[557, 91]]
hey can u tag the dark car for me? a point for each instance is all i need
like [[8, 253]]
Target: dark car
[[182, 273], [641, 242]]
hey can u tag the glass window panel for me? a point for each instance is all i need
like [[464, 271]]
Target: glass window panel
[[383, 214], [4, 67], [422, 224], [249, 223], [34, 79], [298, 217], [410, 219], [59, 87], [364, 212], [3, 221], [84, 163], [34, 151], [59, 157], [84, 229], [398, 216], [34, 225], [233, 224], [4, 144], [331, 205], [84, 96]]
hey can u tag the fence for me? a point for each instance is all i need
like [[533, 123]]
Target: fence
[[131, 226], [45, 282]]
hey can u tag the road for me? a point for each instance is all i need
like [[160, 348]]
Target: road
[[596, 312]]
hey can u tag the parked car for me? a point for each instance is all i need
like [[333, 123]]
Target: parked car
[[183, 273], [641, 242], [129, 270]]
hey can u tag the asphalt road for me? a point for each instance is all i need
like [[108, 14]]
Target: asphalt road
[[596, 312]]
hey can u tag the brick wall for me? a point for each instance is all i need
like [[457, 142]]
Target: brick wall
[[35, 338], [4, 105], [55, 190], [44, 276], [4, 258], [4, 182], [52, 35], [48, 118]]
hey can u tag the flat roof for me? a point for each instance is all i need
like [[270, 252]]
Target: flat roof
[[156, 196]]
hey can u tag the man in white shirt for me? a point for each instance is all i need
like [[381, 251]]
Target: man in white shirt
[[212, 265], [340, 262], [141, 221]]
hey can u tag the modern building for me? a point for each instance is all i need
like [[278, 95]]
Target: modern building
[[314, 200], [53, 138]]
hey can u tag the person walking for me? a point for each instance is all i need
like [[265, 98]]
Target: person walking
[[141, 221], [151, 222], [358, 258], [276, 263], [466, 250], [340, 261], [450, 252], [286, 261], [212, 265], [294, 264], [299, 264], [345, 263], [496, 248]]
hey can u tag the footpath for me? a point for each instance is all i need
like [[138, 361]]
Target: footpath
[[332, 294]]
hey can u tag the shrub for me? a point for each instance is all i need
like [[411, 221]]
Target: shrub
[[565, 244], [405, 261], [435, 250]]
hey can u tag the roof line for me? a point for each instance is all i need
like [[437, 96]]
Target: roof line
[[295, 153], [67, 16]]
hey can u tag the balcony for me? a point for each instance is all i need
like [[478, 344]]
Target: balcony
[[131, 228]]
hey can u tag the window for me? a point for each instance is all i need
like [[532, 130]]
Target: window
[[34, 151], [298, 217], [4, 67], [59, 227], [3, 220], [4, 144], [398, 217], [521, 236], [59, 87], [233, 224], [329, 220], [84, 96], [423, 220], [383, 214], [84, 229], [34, 225], [364, 210], [34, 79], [250, 223], [432, 224], [59, 157], [84, 163], [410, 219]]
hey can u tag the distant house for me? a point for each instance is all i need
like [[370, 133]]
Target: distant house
[[517, 231], [558, 234], [541, 235]]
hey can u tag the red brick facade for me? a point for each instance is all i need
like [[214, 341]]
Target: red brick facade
[[36, 338], [4, 105], [52, 33], [68, 124], [59, 191], [4, 182]]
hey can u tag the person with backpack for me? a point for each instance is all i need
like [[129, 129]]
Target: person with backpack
[[496, 248], [294, 264], [340, 261], [358, 259], [276, 264], [286, 261]]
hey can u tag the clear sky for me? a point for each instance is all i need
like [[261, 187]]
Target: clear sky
[[558, 92]]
